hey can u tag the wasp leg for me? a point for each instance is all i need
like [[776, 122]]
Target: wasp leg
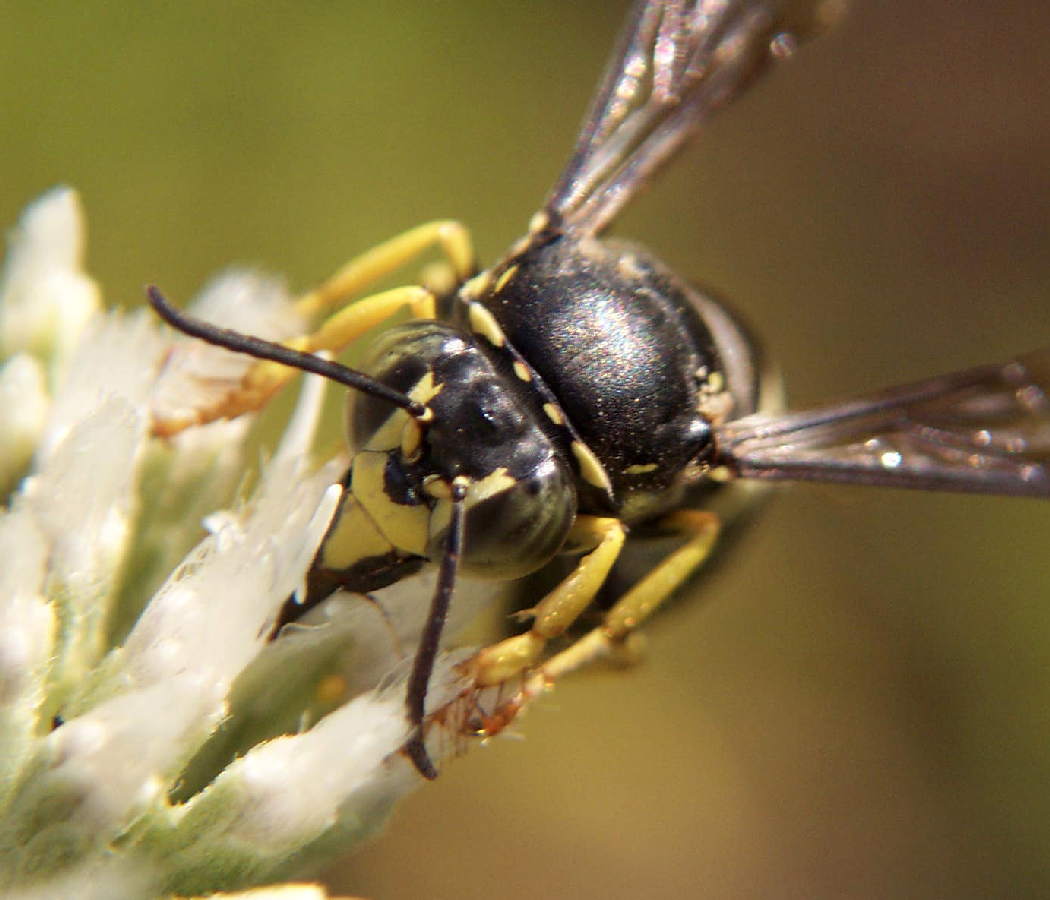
[[643, 599], [561, 607], [452, 237], [440, 278], [264, 379]]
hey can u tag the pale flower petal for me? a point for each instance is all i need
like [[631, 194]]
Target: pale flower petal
[[214, 611], [116, 359], [82, 501], [111, 879], [278, 892], [26, 642], [23, 411], [45, 297], [195, 374]]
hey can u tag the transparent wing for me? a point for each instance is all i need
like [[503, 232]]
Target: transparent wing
[[676, 62], [982, 430]]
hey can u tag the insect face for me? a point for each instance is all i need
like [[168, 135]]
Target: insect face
[[487, 427]]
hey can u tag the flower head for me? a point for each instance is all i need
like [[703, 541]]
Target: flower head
[[154, 739]]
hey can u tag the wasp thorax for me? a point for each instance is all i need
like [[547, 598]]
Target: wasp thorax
[[643, 366]]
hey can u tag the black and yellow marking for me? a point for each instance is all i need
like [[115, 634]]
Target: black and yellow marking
[[562, 606], [483, 323], [591, 469], [505, 276], [476, 286], [700, 530]]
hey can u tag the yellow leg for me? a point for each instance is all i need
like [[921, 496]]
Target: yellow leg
[[561, 607], [643, 599], [440, 278], [263, 379], [364, 270]]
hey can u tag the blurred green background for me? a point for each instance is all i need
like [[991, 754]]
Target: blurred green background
[[859, 702]]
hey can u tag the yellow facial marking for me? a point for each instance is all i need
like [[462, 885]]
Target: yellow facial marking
[[507, 275], [497, 481], [482, 322], [591, 470], [481, 489], [390, 434], [641, 468], [716, 383], [411, 439], [426, 389], [477, 491], [435, 486], [554, 413], [404, 526], [522, 370], [354, 537]]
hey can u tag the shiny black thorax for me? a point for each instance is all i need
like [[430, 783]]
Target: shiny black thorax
[[624, 346]]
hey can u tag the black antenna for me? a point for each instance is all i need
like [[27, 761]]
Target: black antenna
[[296, 359], [429, 641]]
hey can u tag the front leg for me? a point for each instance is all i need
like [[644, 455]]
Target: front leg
[[512, 666], [561, 607], [701, 530]]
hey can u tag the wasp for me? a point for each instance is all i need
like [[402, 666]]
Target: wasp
[[578, 388]]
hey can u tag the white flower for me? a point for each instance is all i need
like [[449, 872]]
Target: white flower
[[153, 740], [45, 297]]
